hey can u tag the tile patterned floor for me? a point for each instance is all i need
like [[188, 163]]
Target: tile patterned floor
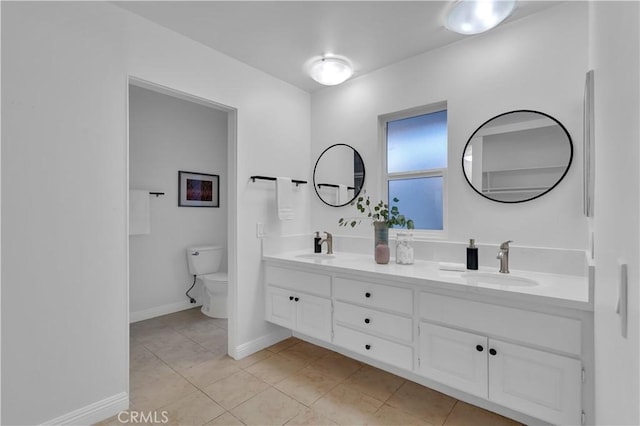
[[181, 375]]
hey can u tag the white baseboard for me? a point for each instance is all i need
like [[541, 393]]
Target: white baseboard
[[260, 343], [161, 310], [95, 412]]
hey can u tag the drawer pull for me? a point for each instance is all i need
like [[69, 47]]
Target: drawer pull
[[296, 298], [367, 320], [493, 351], [367, 295], [479, 348], [367, 347]]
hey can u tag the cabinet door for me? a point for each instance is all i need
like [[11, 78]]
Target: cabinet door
[[455, 358], [313, 316], [279, 308], [538, 383]]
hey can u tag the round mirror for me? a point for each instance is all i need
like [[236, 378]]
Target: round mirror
[[517, 156], [338, 175]]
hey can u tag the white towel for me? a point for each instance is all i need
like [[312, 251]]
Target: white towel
[[451, 266], [284, 198], [343, 194], [139, 220]]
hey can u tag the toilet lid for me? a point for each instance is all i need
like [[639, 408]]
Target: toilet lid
[[216, 276]]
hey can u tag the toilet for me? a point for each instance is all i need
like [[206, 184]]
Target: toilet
[[204, 262]]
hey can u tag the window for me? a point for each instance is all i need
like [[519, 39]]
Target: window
[[415, 144]]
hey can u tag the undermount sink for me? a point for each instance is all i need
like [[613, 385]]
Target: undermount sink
[[496, 278], [316, 256]]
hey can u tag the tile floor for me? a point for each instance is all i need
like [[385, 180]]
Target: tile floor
[[180, 374]]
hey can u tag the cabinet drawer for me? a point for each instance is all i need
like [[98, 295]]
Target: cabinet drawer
[[317, 284], [375, 295], [534, 328], [374, 321], [374, 347]]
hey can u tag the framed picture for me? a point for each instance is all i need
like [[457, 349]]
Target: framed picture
[[198, 189]]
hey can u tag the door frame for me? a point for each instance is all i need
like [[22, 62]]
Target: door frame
[[232, 196]]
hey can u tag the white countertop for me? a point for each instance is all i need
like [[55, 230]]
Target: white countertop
[[557, 290]]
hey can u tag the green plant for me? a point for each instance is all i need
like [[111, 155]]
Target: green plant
[[377, 213]]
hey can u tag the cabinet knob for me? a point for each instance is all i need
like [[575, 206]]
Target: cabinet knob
[[367, 295], [290, 297], [367, 320], [493, 351], [479, 348], [367, 347], [296, 298]]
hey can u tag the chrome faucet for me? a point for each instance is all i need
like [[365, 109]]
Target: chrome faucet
[[329, 241], [503, 255]]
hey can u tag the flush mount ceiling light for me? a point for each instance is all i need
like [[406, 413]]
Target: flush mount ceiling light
[[476, 16], [330, 71]]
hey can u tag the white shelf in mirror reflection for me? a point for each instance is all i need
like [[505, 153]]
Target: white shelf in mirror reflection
[[505, 190], [519, 169]]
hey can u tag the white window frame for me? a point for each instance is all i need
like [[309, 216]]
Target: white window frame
[[419, 234]]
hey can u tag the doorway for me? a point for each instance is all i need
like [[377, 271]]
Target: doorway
[[171, 131]]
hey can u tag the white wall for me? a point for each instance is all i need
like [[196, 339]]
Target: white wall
[[64, 310], [167, 134], [65, 68], [537, 63], [614, 57]]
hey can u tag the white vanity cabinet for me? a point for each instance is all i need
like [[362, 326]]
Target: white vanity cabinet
[[374, 320], [513, 354], [299, 300], [468, 350]]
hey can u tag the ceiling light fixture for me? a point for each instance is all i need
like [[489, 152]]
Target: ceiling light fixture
[[477, 16], [330, 71]]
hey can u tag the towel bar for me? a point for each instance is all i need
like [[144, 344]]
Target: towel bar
[[333, 185], [297, 182]]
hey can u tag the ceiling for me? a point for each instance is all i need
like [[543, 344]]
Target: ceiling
[[281, 37]]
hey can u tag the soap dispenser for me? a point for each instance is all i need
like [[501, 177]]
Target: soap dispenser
[[472, 255], [317, 246]]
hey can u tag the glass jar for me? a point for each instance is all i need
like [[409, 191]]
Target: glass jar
[[404, 248]]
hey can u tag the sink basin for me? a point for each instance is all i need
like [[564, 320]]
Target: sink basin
[[496, 278], [316, 256]]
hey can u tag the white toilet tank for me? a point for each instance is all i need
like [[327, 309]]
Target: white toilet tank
[[204, 259]]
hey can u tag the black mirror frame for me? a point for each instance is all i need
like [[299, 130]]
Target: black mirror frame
[[566, 170], [315, 185]]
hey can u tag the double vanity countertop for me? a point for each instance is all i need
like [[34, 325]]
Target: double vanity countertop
[[557, 290]]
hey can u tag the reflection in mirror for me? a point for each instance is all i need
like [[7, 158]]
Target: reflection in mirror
[[588, 146], [517, 156], [338, 175]]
